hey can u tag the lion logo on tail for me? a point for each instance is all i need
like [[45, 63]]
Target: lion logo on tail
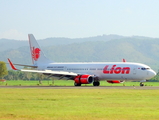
[[35, 53]]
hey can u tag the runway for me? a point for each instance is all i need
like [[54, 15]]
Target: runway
[[84, 87]]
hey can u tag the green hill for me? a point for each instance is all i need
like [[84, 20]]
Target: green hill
[[133, 49]]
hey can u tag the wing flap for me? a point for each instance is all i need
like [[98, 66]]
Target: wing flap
[[58, 74], [51, 72]]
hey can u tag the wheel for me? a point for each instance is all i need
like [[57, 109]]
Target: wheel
[[97, 83], [77, 84], [141, 84]]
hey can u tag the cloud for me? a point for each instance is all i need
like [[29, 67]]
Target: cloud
[[13, 34]]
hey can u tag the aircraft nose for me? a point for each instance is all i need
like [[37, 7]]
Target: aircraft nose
[[152, 73]]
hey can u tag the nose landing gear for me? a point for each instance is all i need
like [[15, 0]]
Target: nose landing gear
[[141, 84]]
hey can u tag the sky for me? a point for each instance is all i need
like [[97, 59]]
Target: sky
[[78, 18]]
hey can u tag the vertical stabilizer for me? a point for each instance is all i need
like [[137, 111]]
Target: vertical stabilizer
[[37, 55]]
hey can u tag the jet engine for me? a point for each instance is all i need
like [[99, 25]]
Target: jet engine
[[84, 79]]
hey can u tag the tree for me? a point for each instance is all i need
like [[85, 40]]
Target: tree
[[41, 77], [3, 69], [28, 76], [155, 78]]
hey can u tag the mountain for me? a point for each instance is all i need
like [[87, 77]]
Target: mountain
[[6, 44], [104, 48]]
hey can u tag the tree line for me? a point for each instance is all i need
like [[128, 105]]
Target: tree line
[[19, 75]]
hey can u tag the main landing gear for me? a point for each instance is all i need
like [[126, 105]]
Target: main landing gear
[[77, 84], [96, 83]]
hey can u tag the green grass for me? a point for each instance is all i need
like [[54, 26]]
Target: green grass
[[69, 83], [79, 104]]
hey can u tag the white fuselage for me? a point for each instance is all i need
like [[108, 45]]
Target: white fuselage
[[105, 71]]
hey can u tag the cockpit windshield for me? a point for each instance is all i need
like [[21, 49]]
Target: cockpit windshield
[[145, 68]]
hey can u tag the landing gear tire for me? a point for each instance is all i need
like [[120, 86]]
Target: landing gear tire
[[97, 83], [77, 84], [141, 84]]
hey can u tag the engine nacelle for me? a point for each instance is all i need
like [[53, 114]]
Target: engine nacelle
[[84, 79], [115, 81]]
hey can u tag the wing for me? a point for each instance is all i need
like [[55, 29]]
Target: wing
[[14, 68], [50, 73], [58, 74]]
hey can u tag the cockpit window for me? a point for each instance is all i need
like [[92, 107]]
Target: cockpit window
[[145, 68]]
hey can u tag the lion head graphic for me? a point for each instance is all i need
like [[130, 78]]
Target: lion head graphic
[[35, 53]]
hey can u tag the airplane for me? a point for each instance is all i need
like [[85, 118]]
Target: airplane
[[85, 72]]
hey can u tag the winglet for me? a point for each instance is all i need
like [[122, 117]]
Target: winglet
[[124, 60], [11, 64]]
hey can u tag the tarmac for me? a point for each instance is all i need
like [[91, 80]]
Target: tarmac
[[84, 87]]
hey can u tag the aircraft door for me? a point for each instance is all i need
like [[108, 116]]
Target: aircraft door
[[134, 70]]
